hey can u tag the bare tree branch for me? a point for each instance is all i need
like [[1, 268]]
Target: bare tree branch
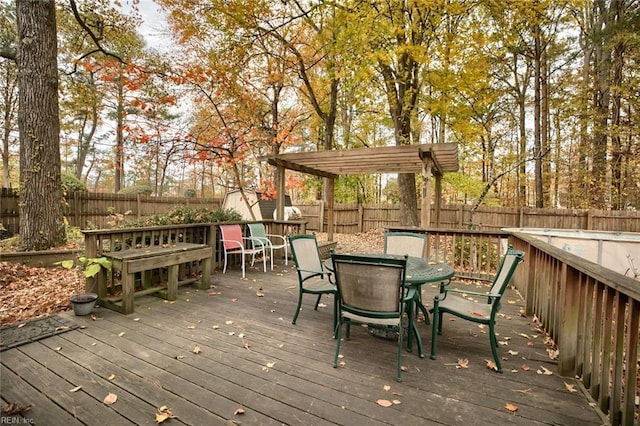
[[94, 37]]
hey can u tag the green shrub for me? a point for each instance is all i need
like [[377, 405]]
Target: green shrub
[[184, 214], [71, 183], [190, 193], [136, 189]]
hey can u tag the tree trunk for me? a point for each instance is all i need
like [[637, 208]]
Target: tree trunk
[[10, 103], [537, 149], [119, 154], [41, 220]]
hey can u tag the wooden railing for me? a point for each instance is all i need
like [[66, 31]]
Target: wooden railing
[[101, 241], [591, 313], [593, 316]]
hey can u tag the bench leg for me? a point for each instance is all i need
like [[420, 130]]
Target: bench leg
[[205, 280], [128, 284], [172, 285]]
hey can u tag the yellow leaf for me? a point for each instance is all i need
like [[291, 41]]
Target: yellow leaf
[[511, 407], [491, 365], [111, 377], [163, 414], [76, 389], [571, 388], [196, 349], [384, 403], [545, 371], [121, 334], [110, 399], [161, 417]]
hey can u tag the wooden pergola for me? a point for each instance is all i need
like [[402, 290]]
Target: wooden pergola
[[428, 159]]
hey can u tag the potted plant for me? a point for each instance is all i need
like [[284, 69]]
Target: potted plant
[[84, 303]]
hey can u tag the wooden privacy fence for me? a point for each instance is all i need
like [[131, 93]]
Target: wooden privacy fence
[[354, 218], [96, 210], [90, 210]]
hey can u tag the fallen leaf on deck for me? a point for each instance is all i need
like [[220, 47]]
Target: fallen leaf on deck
[[111, 377], [191, 327], [14, 408], [511, 407], [545, 371], [491, 365], [571, 388], [110, 399], [58, 349], [396, 402], [386, 388], [476, 313], [553, 353], [164, 413], [213, 293], [238, 412], [76, 389], [271, 364], [512, 353], [322, 305], [121, 334], [179, 357], [241, 335], [22, 325], [526, 336], [235, 299], [462, 363], [384, 403], [525, 367], [530, 344], [196, 349], [229, 322]]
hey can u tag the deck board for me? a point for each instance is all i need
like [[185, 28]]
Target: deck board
[[252, 357]]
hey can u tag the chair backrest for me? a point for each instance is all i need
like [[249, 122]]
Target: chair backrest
[[258, 231], [306, 255], [233, 233], [401, 243], [370, 285], [510, 262]]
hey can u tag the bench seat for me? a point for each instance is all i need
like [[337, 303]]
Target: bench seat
[[144, 260]]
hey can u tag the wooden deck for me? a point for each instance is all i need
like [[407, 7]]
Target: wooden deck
[[252, 358]]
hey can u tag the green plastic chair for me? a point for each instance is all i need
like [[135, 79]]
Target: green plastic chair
[[259, 234], [401, 243], [480, 313], [371, 291], [312, 278]]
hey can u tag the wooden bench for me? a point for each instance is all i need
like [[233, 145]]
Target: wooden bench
[[145, 260], [147, 256]]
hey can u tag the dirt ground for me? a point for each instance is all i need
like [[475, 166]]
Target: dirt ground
[[28, 292]]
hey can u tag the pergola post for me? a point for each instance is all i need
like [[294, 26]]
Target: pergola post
[[280, 178], [438, 198], [425, 209], [329, 195]]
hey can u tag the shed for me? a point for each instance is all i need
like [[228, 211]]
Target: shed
[[262, 208]]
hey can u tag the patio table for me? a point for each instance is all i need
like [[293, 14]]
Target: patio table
[[419, 271]]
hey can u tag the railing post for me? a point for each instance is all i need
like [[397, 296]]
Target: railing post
[[568, 333]]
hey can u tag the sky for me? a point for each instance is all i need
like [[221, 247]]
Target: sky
[[154, 27]]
